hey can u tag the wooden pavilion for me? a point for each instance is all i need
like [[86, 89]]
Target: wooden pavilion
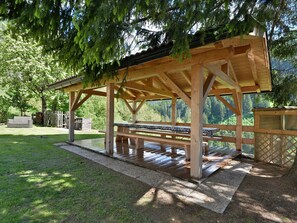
[[229, 66]]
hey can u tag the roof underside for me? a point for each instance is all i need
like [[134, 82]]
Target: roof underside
[[238, 64]]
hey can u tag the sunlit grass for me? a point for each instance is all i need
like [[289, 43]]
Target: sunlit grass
[[42, 183]]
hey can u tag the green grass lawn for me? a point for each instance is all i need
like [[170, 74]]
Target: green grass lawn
[[42, 183]]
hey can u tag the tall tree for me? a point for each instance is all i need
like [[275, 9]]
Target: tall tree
[[24, 63]]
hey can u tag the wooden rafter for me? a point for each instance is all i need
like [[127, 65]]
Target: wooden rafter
[[222, 77], [147, 89], [124, 94], [160, 83], [166, 79], [93, 92], [251, 59], [232, 72], [223, 91], [186, 77]]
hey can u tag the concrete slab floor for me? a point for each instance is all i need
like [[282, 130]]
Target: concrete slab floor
[[215, 193]]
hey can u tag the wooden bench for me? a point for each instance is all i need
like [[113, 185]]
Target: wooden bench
[[175, 135], [140, 138]]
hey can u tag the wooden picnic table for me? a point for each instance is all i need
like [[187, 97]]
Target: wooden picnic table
[[178, 129]]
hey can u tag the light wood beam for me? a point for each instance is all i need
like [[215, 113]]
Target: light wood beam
[[129, 106], [139, 106], [227, 104], [239, 123], [109, 118], [148, 89], [77, 97], [134, 114], [166, 79], [82, 101], [196, 121], [245, 89], [251, 59], [173, 111], [160, 83], [71, 116], [93, 92], [208, 85], [237, 102], [186, 76], [232, 72], [222, 77], [175, 65]]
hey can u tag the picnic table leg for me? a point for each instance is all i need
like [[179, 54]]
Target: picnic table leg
[[139, 146], [119, 138], [205, 148], [173, 149]]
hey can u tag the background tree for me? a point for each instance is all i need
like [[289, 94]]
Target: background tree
[[25, 68], [93, 36]]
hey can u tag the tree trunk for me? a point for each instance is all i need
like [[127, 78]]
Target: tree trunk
[[43, 107]]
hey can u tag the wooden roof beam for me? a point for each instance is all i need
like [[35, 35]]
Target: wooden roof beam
[[148, 89], [186, 77], [166, 79], [222, 77], [251, 59], [225, 91]]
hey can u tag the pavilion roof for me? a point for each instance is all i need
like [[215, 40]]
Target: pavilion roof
[[236, 64]]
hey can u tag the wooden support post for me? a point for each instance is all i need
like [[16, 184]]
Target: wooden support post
[[173, 111], [134, 114], [109, 118], [239, 123], [71, 116], [196, 120]]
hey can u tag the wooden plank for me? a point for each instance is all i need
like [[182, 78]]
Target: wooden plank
[[109, 118], [157, 139], [71, 116], [166, 79], [196, 121]]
